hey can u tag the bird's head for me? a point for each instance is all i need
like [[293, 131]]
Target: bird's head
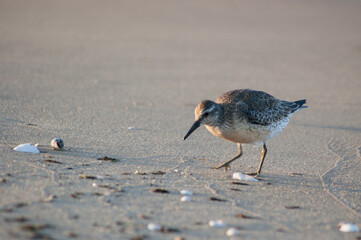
[[207, 112]]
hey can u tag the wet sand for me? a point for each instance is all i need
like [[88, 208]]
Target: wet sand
[[86, 71]]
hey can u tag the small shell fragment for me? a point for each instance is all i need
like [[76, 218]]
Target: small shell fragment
[[57, 144], [132, 128], [244, 177], [154, 227], [232, 232], [348, 227], [27, 147], [186, 192], [185, 199], [217, 223]]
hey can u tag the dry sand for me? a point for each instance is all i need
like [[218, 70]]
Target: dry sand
[[85, 71]]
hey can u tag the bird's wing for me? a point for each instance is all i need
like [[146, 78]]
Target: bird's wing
[[259, 107], [263, 109]]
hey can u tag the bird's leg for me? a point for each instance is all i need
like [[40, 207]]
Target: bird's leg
[[226, 164], [264, 152]]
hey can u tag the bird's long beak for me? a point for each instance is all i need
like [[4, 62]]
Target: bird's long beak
[[195, 125]]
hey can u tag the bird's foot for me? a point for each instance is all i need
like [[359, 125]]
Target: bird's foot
[[223, 165], [253, 173]]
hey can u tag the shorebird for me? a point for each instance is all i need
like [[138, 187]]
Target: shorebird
[[245, 116]]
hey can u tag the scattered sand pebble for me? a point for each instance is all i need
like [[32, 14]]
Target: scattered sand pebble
[[27, 147], [186, 192], [100, 177], [232, 232], [154, 227], [348, 227], [217, 223], [132, 128], [244, 177], [94, 184], [57, 144], [186, 199]]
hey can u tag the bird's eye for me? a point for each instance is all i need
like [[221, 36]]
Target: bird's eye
[[205, 114]]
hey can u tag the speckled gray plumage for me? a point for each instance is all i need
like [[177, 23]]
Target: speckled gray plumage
[[257, 107]]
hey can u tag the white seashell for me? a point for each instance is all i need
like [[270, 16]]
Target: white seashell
[[94, 184], [27, 147], [100, 177], [57, 143], [232, 232], [217, 223], [154, 227], [186, 192], [185, 199], [348, 227], [244, 177], [132, 128]]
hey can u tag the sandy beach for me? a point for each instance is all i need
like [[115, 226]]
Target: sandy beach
[[121, 79]]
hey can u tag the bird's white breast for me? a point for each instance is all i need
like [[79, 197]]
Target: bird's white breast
[[242, 132]]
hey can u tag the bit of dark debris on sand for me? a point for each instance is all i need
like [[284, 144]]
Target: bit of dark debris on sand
[[240, 215], [35, 230], [240, 183], [296, 174], [52, 161], [35, 227], [17, 219], [140, 237], [158, 173], [217, 199], [169, 230], [77, 195], [159, 190], [20, 205], [292, 207], [235, 189], [87, 177], [106, 158], [71, 235]]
